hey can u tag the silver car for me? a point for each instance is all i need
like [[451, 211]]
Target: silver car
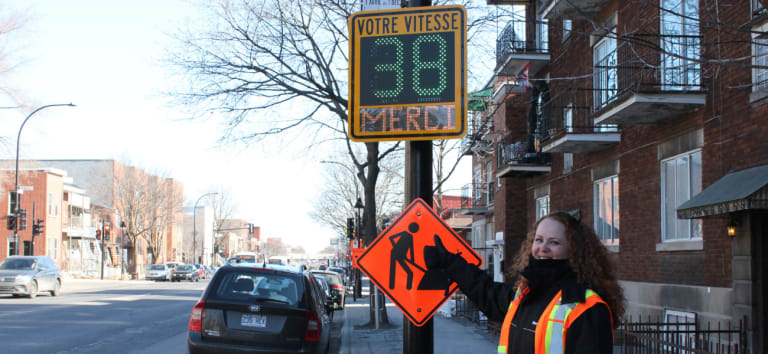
[[28, 275], [158, 272]]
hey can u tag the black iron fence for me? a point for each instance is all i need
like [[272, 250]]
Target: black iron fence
[[648, 63], [569, 113], [513, 39], [649, 336], [515, 152], [477, 195]]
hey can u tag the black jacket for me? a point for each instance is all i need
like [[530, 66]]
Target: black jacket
[[591, 333]]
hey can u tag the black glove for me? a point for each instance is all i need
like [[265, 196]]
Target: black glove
[[437, 256]]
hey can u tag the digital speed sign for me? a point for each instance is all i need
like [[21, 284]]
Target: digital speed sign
[[407, 74]]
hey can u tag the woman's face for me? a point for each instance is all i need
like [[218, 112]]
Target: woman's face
[[550, 241]]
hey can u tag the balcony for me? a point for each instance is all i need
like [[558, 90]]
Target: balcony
[[476, 198], [475, 141], [517, 160], [567, 125], [647, 87], [507, 2], [573, 9], [514, 50]]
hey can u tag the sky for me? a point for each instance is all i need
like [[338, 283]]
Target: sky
[[106, 58]]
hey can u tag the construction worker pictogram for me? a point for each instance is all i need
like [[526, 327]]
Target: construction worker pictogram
[[394, 262]]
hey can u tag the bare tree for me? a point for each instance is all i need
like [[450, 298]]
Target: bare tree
[[164, 202], [342, 188], [275, 65]]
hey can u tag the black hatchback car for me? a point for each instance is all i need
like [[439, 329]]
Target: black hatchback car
[[260, 308]]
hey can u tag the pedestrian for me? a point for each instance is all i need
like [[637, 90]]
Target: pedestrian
[[566, 299]]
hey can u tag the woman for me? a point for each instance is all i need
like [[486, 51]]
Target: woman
[[566, 300]]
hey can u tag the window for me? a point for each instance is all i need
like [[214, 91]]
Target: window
[[757, 7], [543, 35], [567, 27], [53, 204], [567, 162], [542, 206], [604, 73], [681, 45], [491, 190], [680, 180], [606, 204], [11, 202], [760, 58]]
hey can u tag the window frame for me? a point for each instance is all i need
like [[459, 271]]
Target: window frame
[[605, 95], [683, 64], [542, 203], [759, 41], [693, 225], [615, 237]]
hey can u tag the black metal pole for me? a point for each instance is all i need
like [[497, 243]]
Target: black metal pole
[[418, 184]]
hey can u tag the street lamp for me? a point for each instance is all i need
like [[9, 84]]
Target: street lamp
[[194, 226], [16, 185]]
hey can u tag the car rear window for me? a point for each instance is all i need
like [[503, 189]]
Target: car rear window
[[254, 287], [332, 279], [157, 267]]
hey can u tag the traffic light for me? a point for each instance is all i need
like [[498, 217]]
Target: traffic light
[[22, 219], [106, 232], [38, 227], [98, 234], [250, 229], [11, 222], [351, 228]]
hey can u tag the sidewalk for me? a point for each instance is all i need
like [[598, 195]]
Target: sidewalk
[[451, 335]]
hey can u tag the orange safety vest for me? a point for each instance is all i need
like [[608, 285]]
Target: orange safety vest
[[553, 323]]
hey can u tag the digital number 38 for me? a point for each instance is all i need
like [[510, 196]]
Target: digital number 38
[[418, 65]]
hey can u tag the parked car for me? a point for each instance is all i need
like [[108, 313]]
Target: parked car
[[28, 275], [158, 272], [326, 293], [200, 271], [336, 286], [185, 272], [341, 271], [260, 309]]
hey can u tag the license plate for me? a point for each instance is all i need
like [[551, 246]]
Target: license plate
[[253, 321]]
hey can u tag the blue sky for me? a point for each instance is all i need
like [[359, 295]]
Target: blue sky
[[105, 57]]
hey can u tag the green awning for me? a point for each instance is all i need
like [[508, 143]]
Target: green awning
[[741, 190], [477, 99]]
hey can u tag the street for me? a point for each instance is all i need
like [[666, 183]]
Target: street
[[92, 316]]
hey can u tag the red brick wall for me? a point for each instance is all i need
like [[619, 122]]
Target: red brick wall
[[735, 135]]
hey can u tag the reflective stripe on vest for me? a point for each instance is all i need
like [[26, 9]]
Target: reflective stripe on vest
[[553, 324]]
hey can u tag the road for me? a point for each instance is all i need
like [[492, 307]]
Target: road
[[92, 316]]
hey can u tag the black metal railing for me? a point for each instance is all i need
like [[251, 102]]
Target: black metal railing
[[639, 336], [477, 127], [477, 195], [513, 39], [648, 63], [567, 113], [513, 152]]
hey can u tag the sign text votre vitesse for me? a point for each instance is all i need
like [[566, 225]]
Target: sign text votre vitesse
[[408, 74]]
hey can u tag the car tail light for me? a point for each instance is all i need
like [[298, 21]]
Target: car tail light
[[338, 287], [313, 327], [196, 320]]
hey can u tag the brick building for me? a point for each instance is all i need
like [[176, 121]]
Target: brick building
[[646, 119]]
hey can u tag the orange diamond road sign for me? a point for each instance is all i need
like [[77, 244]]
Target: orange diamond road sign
[[394, 261]]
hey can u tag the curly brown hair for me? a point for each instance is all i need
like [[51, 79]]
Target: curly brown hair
[[588, 258]]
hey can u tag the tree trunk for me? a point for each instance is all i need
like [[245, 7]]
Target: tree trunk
[[369, 216]]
